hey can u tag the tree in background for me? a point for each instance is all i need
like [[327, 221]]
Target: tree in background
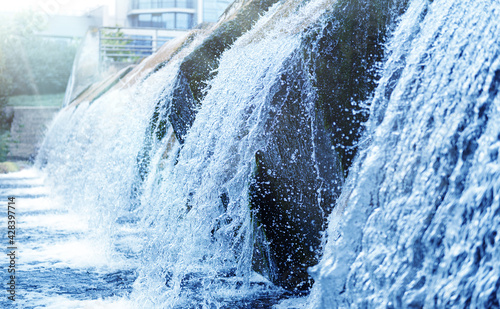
[[40, 65], [36, 64], [30, 64], [5, 120], [5, 78], [5, 91]]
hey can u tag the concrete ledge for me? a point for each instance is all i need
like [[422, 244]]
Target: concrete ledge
[[28, 129]]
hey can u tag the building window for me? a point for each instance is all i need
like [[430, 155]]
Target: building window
[[169, 20], [180, 21], [144, 20], [186, 4], [156, 21], [161, 4], [183, 21]]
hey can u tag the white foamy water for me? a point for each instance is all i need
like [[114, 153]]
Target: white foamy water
[[201, 257], [416, 224], [59, 264], [420, 223]]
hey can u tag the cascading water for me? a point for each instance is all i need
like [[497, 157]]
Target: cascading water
[[421, 218], [192, 202], [222, 206], [201, 235]]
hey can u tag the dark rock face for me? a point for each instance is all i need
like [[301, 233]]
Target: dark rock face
[[182, 110], [343, 53], [314, 123], [314, 127], [297, 179], [198, 68]]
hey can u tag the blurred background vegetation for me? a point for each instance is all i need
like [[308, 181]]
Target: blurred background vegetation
[[34, 70]]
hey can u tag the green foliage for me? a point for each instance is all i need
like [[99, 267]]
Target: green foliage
[[29, 64], [4, 147], [5, 120], [25, 23], [115, 46], [5, 91], [38, 65], [33, 64]]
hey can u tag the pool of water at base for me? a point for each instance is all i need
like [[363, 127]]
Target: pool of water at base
[[61, 264], [58, 262]]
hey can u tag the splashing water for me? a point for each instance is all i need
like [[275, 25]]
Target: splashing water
[[200, 249], [196, 247], [416, 224], [420, 223]]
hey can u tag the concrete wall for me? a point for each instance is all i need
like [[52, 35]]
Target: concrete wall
[[27, 131]]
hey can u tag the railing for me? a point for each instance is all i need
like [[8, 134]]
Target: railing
[[131, 44]]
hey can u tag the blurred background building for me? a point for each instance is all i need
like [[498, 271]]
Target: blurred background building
[[168, 14], [43, 46]]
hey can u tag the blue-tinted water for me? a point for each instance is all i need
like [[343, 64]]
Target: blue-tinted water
[[59, 263]]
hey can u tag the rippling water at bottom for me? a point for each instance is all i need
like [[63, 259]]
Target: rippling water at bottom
[[58, 262]]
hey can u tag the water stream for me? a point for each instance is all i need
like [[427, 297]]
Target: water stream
[[100, 226]]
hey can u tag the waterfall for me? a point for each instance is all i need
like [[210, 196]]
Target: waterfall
[[245, 167], [417, 222], [117, 161], [85, 67]]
